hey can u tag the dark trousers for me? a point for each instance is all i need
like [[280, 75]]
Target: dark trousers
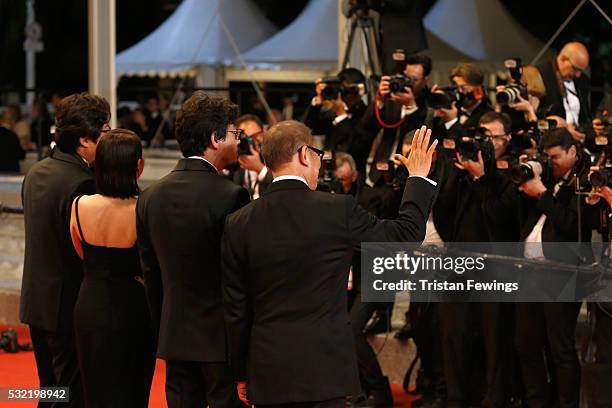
[[57, 365], [334, 403], [597, 374], [424, 319], [193, 384], [370, 373], [467, 328], [539, 325]]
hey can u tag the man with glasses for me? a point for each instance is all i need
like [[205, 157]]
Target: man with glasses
[[568, 90], [286, 260], [179, 223], [52, 271]]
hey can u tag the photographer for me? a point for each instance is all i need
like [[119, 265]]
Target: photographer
[[521, 97], [549, 214], [253, 174], [401, 106], [568, 90], [468, 102], [336, 112]]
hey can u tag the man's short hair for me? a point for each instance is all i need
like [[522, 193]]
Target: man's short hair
[[79, 115], [342, 157], [500, 117], [351, 76], [558, 137], [422, 60], [116, 164], [470, 72], [282, 141], [249, 118], [200, 117]]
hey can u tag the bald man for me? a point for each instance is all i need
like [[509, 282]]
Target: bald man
[[568, 89]]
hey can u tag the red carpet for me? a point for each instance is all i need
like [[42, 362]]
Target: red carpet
[[19, 370]]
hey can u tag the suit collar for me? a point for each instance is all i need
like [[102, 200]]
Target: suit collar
[[195, 165], [283, 185], [72, 158]]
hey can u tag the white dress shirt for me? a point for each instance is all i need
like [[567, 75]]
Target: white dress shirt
[[571, 103], [201, 158]]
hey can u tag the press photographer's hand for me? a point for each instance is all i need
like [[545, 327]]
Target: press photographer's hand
[[421, 153], [475, 168]]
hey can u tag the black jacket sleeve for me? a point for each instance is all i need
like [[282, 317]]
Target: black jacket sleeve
[[409, 226]]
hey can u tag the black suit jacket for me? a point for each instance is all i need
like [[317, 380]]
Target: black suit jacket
[[11, 151], [391, 114], [552, 102], [179, 224], [286, 259], [238, 178], [52, 271]]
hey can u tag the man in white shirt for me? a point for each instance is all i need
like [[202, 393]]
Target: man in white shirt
[[253, 174]]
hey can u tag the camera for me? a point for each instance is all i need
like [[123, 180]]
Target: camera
[[528, 168], [332, 88], [437, 100], [512, 92], [244, 145], [327, 180], [476, 141], [601, 171], [398, 82]]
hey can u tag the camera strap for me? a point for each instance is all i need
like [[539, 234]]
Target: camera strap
[[380, 119]]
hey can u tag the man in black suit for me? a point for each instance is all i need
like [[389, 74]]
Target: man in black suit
[[401, 112], [568, 89], [179, 224], [52, 271], [338, 117], [253, 174], [286, 259], [549, 213]]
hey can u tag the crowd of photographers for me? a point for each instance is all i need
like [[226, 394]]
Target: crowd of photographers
[[533, 164]]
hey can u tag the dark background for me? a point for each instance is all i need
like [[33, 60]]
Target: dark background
[[63, 63]]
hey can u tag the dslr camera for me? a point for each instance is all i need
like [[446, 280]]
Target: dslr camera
[[512, 92], [530, 167], [333, 87], [601, 171], [398, 82], [437, 100], [244, 145], [476, 141], [327, 180]]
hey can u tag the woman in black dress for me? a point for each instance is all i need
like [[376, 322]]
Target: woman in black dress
[[115, 342]]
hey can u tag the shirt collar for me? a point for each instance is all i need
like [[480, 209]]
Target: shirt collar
[[290, 177], [201, 158]]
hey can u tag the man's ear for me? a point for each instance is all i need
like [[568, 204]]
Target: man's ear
[[303, 156], [572, 150], [214, 143]]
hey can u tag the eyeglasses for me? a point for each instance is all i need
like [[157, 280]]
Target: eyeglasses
[[575, 68], [238, 133], [318, 152]]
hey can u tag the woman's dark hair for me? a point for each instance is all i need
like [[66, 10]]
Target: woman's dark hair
[[79, 115], [116, 164], [200, 116]]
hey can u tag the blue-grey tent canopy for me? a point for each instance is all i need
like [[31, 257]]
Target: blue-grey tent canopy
[[195, 34], [310, 42], [482, 29]]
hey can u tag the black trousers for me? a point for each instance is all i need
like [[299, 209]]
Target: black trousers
[[424, 318], [57, 365], [553, 326], [467, 328], [333, 403], [372, 380], [193, 384], [597, 375]]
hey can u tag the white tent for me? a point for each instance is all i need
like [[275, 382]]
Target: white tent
[[195, 34], [482, 29], [305, 49]]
